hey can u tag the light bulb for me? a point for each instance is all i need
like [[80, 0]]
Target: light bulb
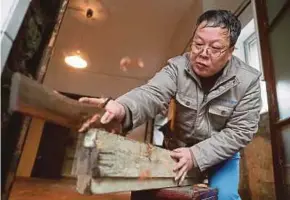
[[76, 61]]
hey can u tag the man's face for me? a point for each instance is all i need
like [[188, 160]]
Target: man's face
[[210, 50]]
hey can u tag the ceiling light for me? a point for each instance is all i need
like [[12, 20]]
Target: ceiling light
[[76, 61]]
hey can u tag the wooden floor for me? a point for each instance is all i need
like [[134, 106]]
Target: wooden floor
[[36, 189]]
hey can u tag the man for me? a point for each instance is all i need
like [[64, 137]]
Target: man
[[217, 103]]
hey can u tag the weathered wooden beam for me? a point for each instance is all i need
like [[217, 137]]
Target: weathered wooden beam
[[117, 156], [34, 99], [105, 162], [110, 185], [118, 164]]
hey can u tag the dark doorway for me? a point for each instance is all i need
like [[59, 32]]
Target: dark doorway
[[51, 152]]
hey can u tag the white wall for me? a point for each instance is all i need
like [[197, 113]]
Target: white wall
[[184, 30], [6, 7], [12, 14]]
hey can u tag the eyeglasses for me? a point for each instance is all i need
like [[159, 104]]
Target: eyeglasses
[[198, 48]]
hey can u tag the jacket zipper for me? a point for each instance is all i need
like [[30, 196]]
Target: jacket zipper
[[204, 98], [207, 109], [206, 113], [224, 90]]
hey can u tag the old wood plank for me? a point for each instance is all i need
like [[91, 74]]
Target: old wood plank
[[122, 157], [60, 189], [45, 189], [118, 164], [31, 98], [109, 185], [88, 185]]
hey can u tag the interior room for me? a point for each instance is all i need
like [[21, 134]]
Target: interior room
[[106, 48]]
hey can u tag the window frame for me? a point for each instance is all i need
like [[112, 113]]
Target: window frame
[[246, 45]]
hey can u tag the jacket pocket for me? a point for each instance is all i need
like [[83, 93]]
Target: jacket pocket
[[218, 116], [186, 109]]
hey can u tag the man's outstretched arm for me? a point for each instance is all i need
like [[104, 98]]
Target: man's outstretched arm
[[140, 104], [148, 100]]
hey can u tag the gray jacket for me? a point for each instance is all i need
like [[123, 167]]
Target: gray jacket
[[217, 125]]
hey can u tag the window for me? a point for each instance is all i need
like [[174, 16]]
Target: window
[[247, 49], [251, 48]]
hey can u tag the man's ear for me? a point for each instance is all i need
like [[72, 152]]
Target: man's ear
[[230, 54]]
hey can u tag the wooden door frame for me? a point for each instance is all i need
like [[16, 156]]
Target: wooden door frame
[[276, 125], [25, 124]]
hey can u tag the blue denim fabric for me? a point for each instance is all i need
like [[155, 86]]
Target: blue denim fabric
[[225, 177]]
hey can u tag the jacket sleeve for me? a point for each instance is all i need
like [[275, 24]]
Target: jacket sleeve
[[238, 132], [148, 100]]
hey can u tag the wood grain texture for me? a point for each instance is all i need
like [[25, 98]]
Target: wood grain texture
[[31, 98], [118, 164], [64, 189], [122, 157], [60, 189], [88, 185], [108, 185]]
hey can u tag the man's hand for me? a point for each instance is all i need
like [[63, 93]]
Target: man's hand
[[114, 110], [184, 159]]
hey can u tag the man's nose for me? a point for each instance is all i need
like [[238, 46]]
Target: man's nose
[[204, 52]]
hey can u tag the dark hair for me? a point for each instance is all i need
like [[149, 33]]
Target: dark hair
[[224, 19]]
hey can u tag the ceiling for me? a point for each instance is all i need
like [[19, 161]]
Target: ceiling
[[124, 28], [144, 32]]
